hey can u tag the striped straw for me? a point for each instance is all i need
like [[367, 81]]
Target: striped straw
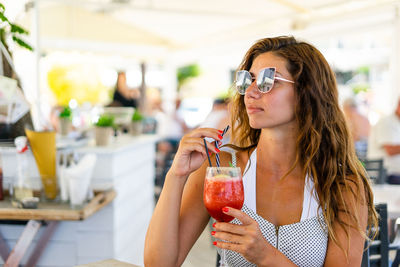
[[216, 145], [208, 156]]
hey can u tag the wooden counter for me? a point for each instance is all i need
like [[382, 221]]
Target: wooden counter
[[53, 211]]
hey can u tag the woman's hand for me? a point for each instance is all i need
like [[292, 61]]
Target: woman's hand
[[192, 153], [245, 239]]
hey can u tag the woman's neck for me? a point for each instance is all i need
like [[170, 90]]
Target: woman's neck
[[277, 151]]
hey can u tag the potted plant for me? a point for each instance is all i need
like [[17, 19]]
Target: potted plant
[[65, 120], [104, 130], [137, 123]]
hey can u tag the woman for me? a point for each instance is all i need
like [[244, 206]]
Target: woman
[[305, 191], [123, 95]]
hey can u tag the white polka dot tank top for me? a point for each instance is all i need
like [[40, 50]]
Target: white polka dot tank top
[[304, 242]]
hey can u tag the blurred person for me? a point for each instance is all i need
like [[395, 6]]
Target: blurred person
[[384, 142], [359, 127], [218, 117], [170, 125], [156, 112], [307, 199], [123, 95], [177, 126], [170, 128]]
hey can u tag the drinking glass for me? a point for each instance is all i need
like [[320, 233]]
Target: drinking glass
[[223, 187]]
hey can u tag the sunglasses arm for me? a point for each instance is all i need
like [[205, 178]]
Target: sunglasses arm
[[284, 80]]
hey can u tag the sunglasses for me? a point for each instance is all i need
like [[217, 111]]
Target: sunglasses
[[265, 80]]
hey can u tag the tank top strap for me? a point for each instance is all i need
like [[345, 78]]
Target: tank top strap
[[233, 154], [249, 182], [310, 200]]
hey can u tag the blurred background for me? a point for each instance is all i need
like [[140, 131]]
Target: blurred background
[[79, 46]]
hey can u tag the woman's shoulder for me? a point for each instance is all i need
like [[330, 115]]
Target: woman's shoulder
[[356, 187]]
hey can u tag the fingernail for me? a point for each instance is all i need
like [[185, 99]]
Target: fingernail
[[214, 243], [220, 131], [214, 225], [212, 232], [220, 136], [217, 150], [225, 209]]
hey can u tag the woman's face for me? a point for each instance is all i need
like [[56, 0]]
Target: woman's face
[[275, 108]]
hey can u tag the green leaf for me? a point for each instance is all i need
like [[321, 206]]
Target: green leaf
[[186, 72], [363, 70], [22, 43], [361, 87], [230, 164], [3, 18], [2, 8], [66, 113], [137, 116], [105, 121], [18, 29]]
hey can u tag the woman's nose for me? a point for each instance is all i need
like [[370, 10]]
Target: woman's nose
[[252, 91]]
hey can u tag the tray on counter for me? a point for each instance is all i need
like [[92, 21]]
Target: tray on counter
[[56, 211]]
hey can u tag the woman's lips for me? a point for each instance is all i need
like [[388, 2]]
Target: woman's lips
[[252, 110]]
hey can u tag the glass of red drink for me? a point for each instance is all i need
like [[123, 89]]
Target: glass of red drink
[[223, 187]]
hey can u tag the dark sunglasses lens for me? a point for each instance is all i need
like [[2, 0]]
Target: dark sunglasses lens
[[265, 79], [243, 81]]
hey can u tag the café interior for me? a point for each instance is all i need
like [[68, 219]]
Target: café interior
[[81, 170]]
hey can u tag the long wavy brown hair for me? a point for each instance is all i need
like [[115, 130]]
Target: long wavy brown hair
[[324, 147]]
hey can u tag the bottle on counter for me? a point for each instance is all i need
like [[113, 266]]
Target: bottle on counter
[[22, 188]]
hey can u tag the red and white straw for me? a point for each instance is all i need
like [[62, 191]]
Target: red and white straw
[[216, 145]]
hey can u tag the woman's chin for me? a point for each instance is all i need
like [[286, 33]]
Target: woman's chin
[[255, 125]]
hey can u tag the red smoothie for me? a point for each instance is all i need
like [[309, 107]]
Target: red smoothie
[[222, 191]]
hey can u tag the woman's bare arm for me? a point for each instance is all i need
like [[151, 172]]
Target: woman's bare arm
[[180, 216], [354, 246]]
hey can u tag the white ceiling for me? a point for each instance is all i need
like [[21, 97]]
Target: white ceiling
[[164, 26]]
